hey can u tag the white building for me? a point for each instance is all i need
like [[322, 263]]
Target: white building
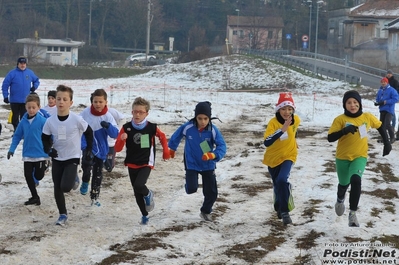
[[52, 51]]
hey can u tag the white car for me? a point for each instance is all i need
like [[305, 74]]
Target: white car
[[139, 57]]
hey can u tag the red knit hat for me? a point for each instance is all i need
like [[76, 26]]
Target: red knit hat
[[384, 79], [285, 99]]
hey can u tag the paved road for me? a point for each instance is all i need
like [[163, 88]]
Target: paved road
[[366, 78]]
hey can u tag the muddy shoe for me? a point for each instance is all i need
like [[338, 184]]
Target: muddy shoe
[[286, 218], [62, 220], [340, 207], [352, 219], [206, 216], [33, 201], [149, 201]]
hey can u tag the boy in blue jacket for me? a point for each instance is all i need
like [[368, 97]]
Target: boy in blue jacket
[[103, 125], [33, 155], [204, 146]]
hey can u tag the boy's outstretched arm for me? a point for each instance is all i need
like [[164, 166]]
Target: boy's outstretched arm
[[175, 139], [164, 142], [120, 140]]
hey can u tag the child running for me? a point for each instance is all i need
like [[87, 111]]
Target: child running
[[103, 125], [138, 136], [204, 147], [61, 138], [350, 129], [281, 153], [35, 159]]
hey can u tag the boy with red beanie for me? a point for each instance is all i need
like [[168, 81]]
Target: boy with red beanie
[[281, 153], [350, 129]]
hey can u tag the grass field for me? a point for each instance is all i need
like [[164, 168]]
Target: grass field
[[77, 72]]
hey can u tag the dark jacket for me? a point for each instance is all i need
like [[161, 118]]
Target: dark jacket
[[393, 83]]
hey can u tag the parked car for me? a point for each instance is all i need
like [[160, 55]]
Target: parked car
[[139, 57]]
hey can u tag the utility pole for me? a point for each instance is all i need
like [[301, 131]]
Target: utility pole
[[90, 23], [149, 19], [317, 29], [238, 25], [310, 22]]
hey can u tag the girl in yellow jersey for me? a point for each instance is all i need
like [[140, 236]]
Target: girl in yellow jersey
[[350, 129], [281, 152]]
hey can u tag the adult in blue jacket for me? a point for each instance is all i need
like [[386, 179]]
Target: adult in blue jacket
[[17, 85], [386, 99], [204, 146]]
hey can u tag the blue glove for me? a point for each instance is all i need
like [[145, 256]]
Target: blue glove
[[6, 100], [105, 124]]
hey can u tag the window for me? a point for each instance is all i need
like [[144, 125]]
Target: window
[[62, 49], [340, 28], [377, 32], [332, 30], [68, 49], [394, 41], [234, 32], [241, 33], [49, 48], [55, 48], [270, 34]]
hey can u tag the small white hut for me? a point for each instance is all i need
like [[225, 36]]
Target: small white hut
[[52, 51]]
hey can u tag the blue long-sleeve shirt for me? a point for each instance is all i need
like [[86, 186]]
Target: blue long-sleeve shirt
[[17, 84]]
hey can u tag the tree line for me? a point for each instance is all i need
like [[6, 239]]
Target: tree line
[[123, 23]]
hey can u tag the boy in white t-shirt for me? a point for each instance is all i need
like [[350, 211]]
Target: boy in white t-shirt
[[62, 135]]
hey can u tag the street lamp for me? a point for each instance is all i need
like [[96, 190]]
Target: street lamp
[[317, 29], [238, 23], [310, 22]]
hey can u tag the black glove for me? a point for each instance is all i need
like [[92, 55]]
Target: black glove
[[349, 129], [53, 153], [105, 124], [88, 155], [6, 100], [32, 89], [376, 103], [387, 149], [9, 154], [381, 103]]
